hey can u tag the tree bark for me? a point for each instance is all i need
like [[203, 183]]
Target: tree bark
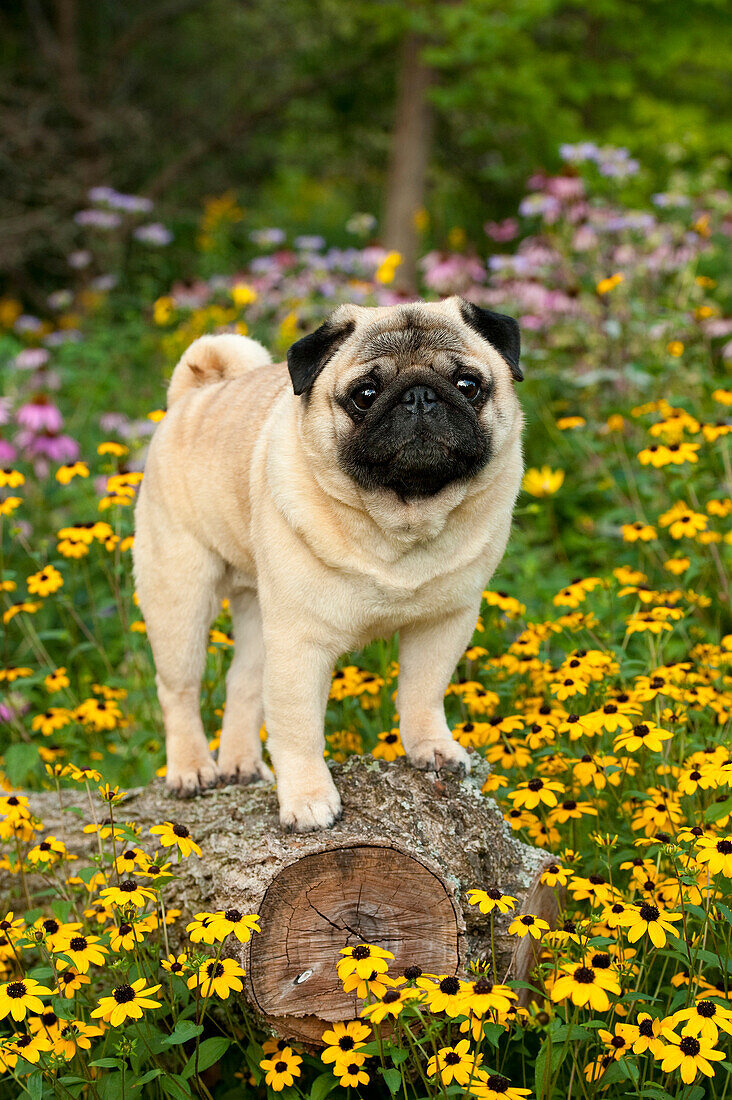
[[394, 871], [405, 189]]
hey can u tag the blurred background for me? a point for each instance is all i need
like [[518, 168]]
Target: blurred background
[[429, 116]]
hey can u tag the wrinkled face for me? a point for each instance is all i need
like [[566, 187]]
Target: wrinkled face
[[418, 396]]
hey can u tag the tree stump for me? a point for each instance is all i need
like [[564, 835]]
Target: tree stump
[[394, 871]]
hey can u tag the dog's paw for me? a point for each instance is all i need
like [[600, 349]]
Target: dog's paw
[[309, 812], [185, 782], [243, 771], [440, 755]]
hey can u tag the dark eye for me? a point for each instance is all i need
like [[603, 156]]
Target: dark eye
[[364, 396], [469, 386]]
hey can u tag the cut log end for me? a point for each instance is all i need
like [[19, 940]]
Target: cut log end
[[339, 898]]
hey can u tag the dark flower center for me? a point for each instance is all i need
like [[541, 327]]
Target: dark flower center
[[641, 730], [452, 1058], [123, 994], [596, 880], [535, 784], [16, 990], [706, 1009], [361, 952], [125, 929], [645, 1027], [51, 926], [553, 869], [390, 997], [618, 1042], [690, 1046], [181, 831], [232, 915], [584, 975], [353, 1068], [128, 886], [22, 1041], [648, 912], [391, 738], [724, 847], [44, 846], [450, 986], [346, 1042], [78, 943], [214, 969], [601, 961], [482, 986], [569, 926], [494, 893], [570, 804], [280, 1067], [496, 1083], [411, 973]]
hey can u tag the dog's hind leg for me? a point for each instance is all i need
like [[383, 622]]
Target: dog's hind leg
[[240, 755], [177, 582]]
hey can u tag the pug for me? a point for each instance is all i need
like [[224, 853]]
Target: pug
[[365, 487]]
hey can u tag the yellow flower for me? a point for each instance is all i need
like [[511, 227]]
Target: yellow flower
[[11, 479], [219, 977], [362, 960], [493, 898], [127, 1002], [386, 270], [9, 505], [281, 1069], [45, 583], [689, 1055], [528, 925], [20, 997], [171, 833], [634, 532], [243, 295], [542, 483], [675, 348], [609, 283], [65, 474]]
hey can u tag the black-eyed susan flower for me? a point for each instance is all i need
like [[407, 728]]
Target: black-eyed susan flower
[[281, 1069], [648, 919], [542, 482], [73, 1036], [706, 1019], [350, 1072], [176, 964], [18, 998], [585, 986], [21, 1045], [171, 833], [218, 977], [643, 735], [374, 985], [343, 1039], [490, 899], [442, 994], [556, 875], [128, 892], [638, 532], [527, 924], [690, 1055], [454, 1064], [480, 997], [228, 921], [494, 1086], [127, 935], [70, 981], [83, 951], [201, 929], [536, 792], [362, 960], [389, 746], [126, 1002], [49, 850], [715, 853], [392, 1003], [45, 582]]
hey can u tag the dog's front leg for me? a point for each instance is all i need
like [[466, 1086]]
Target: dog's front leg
[[297, 677], [428, 654]]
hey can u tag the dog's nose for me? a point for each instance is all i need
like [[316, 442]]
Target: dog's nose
[[418, 398]]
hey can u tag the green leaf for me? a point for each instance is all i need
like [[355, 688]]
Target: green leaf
[[393, 1079], [175, 1087], [107, 1063], [322, 1086], [717, 810], [399, 1055], [149, 1076], [492, 1033], [34, 1084], [620, 1070], [19, 761], [181, 1033], [209, 1052]]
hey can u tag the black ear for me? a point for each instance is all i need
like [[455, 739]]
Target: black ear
[[499, 330], [307, 357]]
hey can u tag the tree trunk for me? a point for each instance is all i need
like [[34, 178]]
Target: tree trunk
[[393, 871], [408, 161]]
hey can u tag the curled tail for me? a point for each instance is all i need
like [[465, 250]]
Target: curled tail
[[215, 359]]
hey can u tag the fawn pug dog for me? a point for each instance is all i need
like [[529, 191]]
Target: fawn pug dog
[[368, 491]]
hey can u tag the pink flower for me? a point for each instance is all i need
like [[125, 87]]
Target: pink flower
[[506, 230], [39, 415], [7, 453], [31, 358]]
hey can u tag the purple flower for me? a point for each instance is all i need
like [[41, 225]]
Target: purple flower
[[506, 230], [155, 233], [267, 238], [104, 283], [27, 323], [97, 219], [62, 336], [79, 259], [4, 410], [60, 299], [56, 448], [40, 416], [311, 243], [7, 452], [31, 359]]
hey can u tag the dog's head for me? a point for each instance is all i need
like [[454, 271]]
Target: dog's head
[[410, 398]]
